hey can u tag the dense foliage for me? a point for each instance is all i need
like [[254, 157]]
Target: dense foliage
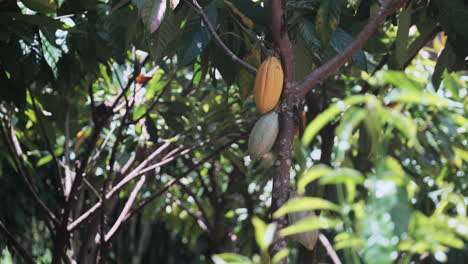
[[124, 128]]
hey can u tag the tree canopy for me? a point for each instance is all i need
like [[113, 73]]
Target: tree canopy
[[125, 131]]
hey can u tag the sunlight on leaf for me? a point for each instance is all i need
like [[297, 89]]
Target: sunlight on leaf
[[305, 203], [309, 224]]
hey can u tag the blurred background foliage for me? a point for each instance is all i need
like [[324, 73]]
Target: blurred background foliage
[[382, 160]]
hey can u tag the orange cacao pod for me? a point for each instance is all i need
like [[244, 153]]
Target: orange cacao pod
[[268, 84], [263, 135]]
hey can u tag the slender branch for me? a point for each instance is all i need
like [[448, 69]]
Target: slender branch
[[331, 252], [16, 245], [318, 76], [175, 180], [281, 177], [126, 208], [116, 188], [194, 4]]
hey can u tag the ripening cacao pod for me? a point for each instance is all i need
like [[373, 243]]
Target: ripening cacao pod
[[263, 135], [268, 84], [307, 239]]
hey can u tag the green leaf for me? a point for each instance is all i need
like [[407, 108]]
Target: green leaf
[[37, 20], [406, 126], [423, 98], [41, 6], [44, 160], [305, 203], [343, 175], [309, 35], [264, 233], [140, 111], [327, 19], [341, 40], [402, 81], [196, 36], [280, 255], [153, 13], [310, 176], [402, 38], [450, 85], [348, 240], [350, 120], [163, 39], [230, 258], [328, 115], [51, 54], [155, 84], [309, 224]]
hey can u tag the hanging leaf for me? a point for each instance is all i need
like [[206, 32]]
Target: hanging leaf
[[305, 203], [152, 13], [41, 6], [327, 19], [341, 40], [196, 36]]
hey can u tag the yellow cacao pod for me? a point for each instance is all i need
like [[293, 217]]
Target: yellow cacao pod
[[263, 135], [268, 84], [307, 239]]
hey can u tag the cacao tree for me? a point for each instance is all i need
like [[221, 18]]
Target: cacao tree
[[233, 131]]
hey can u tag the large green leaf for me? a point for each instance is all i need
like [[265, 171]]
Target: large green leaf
[[196, 36], [305, 203], [327, 19], [340, 40], [309, 224], [328, 115], [42, 6], [152, 13]]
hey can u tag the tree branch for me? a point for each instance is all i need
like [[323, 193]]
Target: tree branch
[[117, 187], [125, 210], [319, 75], [175, 180], [194, 4]]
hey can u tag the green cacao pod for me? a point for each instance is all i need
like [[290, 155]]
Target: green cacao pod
[[268, 84], [263, 135]]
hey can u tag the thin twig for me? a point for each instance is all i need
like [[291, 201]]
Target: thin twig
[[194, 4], [126, 208], [117, 187], [148, 200], [331, 252]]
